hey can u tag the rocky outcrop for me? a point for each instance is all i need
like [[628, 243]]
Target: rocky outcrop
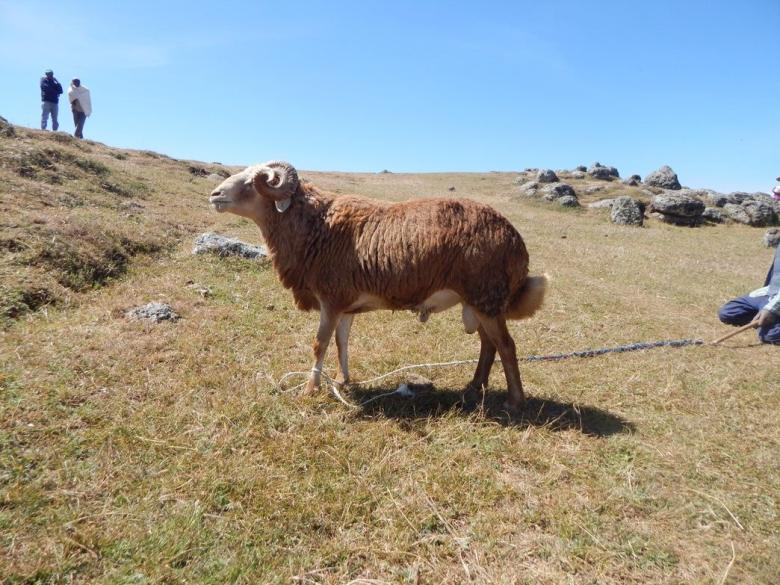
[[627, 211], [665, 178], [752, 212]]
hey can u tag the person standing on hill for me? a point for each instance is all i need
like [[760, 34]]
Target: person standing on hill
[[50, 97], [762, 306], [80, 105]]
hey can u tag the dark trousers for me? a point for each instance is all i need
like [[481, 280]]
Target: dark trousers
[[78, 119], [743, 310]]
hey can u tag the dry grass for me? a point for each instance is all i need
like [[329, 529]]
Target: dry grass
[[132, 453]]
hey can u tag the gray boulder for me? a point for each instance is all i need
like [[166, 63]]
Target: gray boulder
[[599, 171], [211, 243], [568, 201], [627, 211], [633, 181], [736, 212], [153, 312], [583, 168], [558, 190], [752, 212], [546, 176], [665, 178], [772, 238], [578, 174], [761, 213], [715, 215], [677, 204], [529, 189], [738, 197]]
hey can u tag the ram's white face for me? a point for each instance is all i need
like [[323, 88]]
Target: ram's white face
[[236, 194]]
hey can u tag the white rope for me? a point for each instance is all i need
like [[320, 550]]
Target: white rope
[[404, 390]]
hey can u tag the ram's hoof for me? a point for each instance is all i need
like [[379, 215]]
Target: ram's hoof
[[311, 388]]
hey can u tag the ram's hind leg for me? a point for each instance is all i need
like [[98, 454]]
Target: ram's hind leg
[[495, 329], [328, 322], [487, 355], [342, 343]]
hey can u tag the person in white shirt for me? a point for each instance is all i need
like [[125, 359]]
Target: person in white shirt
[[761, 306], [80, 104]]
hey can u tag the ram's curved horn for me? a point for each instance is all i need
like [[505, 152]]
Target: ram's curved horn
[[276, 179]]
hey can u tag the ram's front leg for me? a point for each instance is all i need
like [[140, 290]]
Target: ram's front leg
[[328, 321]]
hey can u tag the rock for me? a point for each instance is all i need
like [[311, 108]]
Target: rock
[[578, 174], [558, 190], [761, 213], [6, 128], [568, 201], [599, 171], [385, 172], [153, 312], [715, 215], [529, 189], [546, 176], [756, 213], [583, 168], [718, 199], [224, 246], [665, 178], [450, 188], [633, 181], [735, 212], [602, 204], [738, 196], [215, 178], [627, 211], [772, 238], [676, 204], [197, 171]]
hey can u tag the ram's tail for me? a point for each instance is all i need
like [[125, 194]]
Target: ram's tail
[[529, 298]]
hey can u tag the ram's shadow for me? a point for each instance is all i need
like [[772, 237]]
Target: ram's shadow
[[538, 412]]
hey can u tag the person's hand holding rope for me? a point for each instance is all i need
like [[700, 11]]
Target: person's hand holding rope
[[764, 319]]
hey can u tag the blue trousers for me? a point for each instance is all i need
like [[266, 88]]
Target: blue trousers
[[743, 310], [46, 109]]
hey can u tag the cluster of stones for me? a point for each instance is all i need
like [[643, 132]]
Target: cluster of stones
[[549, 186], [671, 202]]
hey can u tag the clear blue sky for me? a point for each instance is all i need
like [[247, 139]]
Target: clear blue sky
[[417, 86]]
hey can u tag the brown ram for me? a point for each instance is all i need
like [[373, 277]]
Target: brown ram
[[346, 255]]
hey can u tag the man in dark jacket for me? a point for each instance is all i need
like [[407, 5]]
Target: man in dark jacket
[[50, 97]]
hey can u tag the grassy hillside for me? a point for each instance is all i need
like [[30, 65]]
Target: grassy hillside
[[136, 453]]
